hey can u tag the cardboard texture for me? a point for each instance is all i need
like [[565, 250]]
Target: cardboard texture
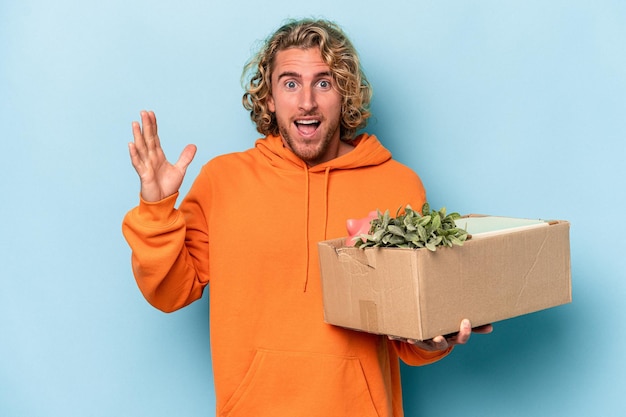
[[419, 294]]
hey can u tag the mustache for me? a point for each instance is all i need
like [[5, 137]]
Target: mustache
[[309, 114]]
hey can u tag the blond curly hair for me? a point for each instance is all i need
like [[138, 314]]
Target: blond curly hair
[[337, 52]]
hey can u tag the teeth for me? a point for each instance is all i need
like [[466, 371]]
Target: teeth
[[307, 122]]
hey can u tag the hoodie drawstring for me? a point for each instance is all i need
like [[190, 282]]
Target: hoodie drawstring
[[326, 176], [307, 217], [306, 227]]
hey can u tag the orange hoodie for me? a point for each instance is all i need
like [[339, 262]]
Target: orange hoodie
[[250, 225]]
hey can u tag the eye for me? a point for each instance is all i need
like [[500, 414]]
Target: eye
[[290, 85], [325, 84]]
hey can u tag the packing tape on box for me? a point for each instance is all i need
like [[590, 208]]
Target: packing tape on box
[[369, 315]]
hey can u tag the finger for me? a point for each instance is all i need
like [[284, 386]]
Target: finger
[[134, 157], [465, 332], [152, 118], [185, 158], [484, 329], [140, 143], [155, 128], [439, 343], [148, 128]]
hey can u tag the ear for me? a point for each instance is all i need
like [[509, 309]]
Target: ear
[[270, 104]]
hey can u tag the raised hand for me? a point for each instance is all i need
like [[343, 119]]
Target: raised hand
[[159, 178]]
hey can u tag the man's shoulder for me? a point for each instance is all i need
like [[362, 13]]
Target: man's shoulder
[[393, 164], [230, 158]]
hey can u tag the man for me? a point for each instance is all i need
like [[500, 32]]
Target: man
[[250, 226]]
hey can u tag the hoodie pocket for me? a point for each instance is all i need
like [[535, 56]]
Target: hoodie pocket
[[301, 384]]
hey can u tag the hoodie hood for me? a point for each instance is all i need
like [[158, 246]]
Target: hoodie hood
[[368, 151]]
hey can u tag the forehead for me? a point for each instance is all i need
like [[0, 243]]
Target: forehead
[[300, 61]]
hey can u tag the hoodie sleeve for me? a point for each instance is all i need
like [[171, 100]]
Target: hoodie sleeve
[[414, 356], [162, 263]]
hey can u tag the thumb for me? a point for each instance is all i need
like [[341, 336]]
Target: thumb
[[186, 156]]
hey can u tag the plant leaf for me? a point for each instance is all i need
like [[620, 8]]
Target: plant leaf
[[396, 230], [412, 229]]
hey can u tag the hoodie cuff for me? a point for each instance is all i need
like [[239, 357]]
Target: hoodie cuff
[[160, 212]]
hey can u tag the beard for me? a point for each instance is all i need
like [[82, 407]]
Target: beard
[[312, 152]]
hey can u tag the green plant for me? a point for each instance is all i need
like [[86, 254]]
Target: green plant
[[410, 229]]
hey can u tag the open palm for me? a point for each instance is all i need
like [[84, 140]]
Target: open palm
[[159, 178]]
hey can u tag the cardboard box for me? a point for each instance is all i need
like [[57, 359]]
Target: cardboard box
[[508, 268]]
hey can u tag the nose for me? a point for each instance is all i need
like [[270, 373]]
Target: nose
[[307, 99]]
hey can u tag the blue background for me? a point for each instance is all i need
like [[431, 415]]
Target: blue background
[[503, 107]]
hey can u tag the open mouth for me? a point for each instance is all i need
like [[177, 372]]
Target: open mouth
[[307, 127]]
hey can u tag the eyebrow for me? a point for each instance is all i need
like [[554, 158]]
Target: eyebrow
[[298, 75]]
